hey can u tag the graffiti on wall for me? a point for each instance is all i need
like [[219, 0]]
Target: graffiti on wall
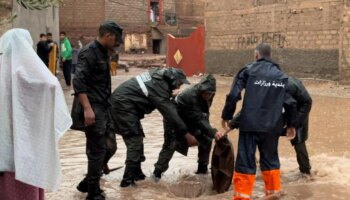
[[275, 39]]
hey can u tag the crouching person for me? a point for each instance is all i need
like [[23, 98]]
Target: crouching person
[[193, 106]]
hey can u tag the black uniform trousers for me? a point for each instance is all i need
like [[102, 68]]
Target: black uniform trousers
[[67, 70], [169, 147], [96, 144]]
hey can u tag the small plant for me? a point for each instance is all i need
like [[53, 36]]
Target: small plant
[[30, 5], [38, 4]]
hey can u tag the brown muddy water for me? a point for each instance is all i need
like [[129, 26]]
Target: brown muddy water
[[328, 147]]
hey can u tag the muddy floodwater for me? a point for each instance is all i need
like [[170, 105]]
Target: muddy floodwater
[[328, 146]]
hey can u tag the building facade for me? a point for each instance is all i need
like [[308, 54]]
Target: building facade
[[310, 37], [146, 22]]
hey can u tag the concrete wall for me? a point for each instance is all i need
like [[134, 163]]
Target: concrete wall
[[344, 45], [5, 12], [304, 34], [37, 21]]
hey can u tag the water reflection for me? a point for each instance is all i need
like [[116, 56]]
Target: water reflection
[[327, 146]]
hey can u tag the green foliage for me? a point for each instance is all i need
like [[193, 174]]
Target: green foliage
[[30, 5], [38, 4], [8, 20]]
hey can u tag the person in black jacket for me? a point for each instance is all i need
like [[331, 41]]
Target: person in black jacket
[[261, 121], [304, 102], [193, 106], [135, 98], [43, 49], [92, 86]]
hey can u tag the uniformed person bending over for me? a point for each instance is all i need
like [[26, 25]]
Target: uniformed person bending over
[[135, 98], [193, 106]]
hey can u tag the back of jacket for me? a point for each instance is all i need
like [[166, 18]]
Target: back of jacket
[[133, 98], [265, 85], [193, 109]]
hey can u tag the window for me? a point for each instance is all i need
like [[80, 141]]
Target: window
[[155, 11]]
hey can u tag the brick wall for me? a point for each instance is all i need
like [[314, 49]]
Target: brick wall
[[81, 17], [190, 13], [305, 30], [132, 15]]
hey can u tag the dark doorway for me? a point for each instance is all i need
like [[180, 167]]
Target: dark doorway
[[156, 46]]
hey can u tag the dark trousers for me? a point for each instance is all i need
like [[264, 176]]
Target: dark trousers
[[169, 147], [67, 69], [96, 147], [267, 144], [302, 157], [134, 155]]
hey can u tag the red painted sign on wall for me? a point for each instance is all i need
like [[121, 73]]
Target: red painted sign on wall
[[187, 53]]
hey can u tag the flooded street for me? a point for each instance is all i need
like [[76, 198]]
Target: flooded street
[[328, 146]]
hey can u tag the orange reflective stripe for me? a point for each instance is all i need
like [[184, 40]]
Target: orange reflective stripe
[[272, 179], [243, 185]]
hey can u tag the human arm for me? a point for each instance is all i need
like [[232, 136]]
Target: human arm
[[83, 70], [304, 103], [234, 96]]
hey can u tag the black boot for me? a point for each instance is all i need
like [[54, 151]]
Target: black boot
[[157, 174], [94, 192], [128, 177], [139, 175], [202, 169], [126, 182], [83, 186]]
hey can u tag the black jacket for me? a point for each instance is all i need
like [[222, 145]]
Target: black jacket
[[92, 75], [130, 98], [43, 50], [304, 102], [264, 98], [193, 109]]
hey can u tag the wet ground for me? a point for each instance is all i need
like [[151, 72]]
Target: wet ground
[[328, 147]]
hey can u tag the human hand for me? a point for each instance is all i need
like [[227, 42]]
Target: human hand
[[191, 140], [291, 133], [89, 116], [225, 124], [220, 134], [175, 92]]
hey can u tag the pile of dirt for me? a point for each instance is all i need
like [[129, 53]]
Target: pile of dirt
[[142, 60]]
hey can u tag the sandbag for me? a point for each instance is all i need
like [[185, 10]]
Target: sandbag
[[222, 165]]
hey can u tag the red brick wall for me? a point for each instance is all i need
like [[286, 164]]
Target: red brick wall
[[81, 17], [132, 15]]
